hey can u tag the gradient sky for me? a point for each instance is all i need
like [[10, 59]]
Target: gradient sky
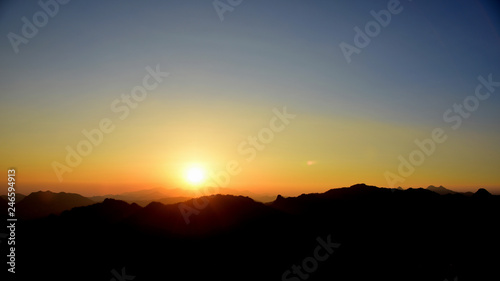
[[353, 119]]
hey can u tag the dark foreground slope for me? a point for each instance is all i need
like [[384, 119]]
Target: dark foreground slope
[[356, 233]]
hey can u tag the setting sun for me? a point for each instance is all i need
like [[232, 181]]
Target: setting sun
[[195, 175]]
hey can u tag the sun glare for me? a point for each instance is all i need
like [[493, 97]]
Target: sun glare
[[195, 175]]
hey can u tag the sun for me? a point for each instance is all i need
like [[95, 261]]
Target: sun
[[195, 175]]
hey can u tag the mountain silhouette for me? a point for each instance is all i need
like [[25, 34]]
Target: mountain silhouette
[[143, 195], [18, 197], [108, 211], [174, 195], [165, 201], [482, 193], [221, 213], [43, 203], [440, 190], [380, 233]]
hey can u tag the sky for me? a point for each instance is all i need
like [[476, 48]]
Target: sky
[[220, 72]]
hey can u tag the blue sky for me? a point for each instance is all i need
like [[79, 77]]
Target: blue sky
[[434, 50]]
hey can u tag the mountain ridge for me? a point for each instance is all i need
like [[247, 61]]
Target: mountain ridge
[[386, 232], [43, 203]]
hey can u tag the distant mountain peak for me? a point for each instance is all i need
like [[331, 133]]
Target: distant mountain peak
[[482, 193], [279, 199], [359, 185], [113, 202], [441, 190], [42, 203]]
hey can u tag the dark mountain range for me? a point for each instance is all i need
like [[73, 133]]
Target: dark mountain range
[[174, 195], [222, 213], [356, 233], [482, 193], [166, 201], [108, 211], [19, 197], [143, 195], [440, 190], [43, 203]]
